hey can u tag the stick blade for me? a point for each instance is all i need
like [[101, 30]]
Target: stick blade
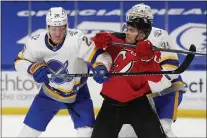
[[186, 63]]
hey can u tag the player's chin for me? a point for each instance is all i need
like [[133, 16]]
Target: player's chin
[[129, 40], [57, 40]]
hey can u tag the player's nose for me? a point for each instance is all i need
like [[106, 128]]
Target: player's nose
[[58, 33], [127, 33]]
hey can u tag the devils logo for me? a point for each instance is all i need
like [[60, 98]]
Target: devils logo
[[124, 61]]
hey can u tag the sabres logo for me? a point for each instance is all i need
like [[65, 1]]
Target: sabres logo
[[56, 67]]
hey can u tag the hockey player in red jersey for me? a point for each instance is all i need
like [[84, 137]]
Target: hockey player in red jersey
[[166, 106], [125, 100]]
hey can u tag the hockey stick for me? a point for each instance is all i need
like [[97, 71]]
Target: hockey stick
[[167, 91], [189, 58], [161, 49]]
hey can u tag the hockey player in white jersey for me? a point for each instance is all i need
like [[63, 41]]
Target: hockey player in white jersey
[[167, 105], [60, 50]]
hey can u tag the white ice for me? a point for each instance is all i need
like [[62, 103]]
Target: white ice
[[62, 126]]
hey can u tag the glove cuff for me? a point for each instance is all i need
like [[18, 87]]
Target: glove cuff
[[95, 64], [35, 66]]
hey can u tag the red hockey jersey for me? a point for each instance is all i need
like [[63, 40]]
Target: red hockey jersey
[[124, 88]]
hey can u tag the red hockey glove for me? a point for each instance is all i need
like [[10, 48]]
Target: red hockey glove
[[102, 40], [148, 59], [145, 52]]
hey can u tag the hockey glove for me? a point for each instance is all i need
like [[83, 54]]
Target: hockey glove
[[102, 40], [148, 60], [145, 52], [39, 70], [100, 73]]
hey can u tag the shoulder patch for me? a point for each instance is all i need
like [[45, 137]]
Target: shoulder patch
[[35, 37], [72, 32], [157, 33]]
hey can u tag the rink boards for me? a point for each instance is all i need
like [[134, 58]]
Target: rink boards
[[18, 93]]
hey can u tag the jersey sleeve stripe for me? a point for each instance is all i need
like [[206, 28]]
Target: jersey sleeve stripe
[[17, 60], [20, 58], [171, 62], [168, 57], [178, 81], [20, 55], [94, 54], [169, 66]]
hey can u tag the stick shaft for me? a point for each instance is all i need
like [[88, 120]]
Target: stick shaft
[[161, 49]]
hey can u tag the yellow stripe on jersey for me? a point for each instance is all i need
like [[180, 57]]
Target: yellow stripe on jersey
[[95, 64], [169, 66], [150, 95], [176, 105], [20, 55], [168, 57], [173, 84], [64, 90], [16, 61], [177, 83], [57, 95], [48, 41], [92, 54]]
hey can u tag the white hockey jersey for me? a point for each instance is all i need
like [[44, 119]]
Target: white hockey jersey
[[69, 57], [169, 61]]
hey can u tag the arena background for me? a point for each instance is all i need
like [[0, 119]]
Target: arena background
[[185, 21]]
